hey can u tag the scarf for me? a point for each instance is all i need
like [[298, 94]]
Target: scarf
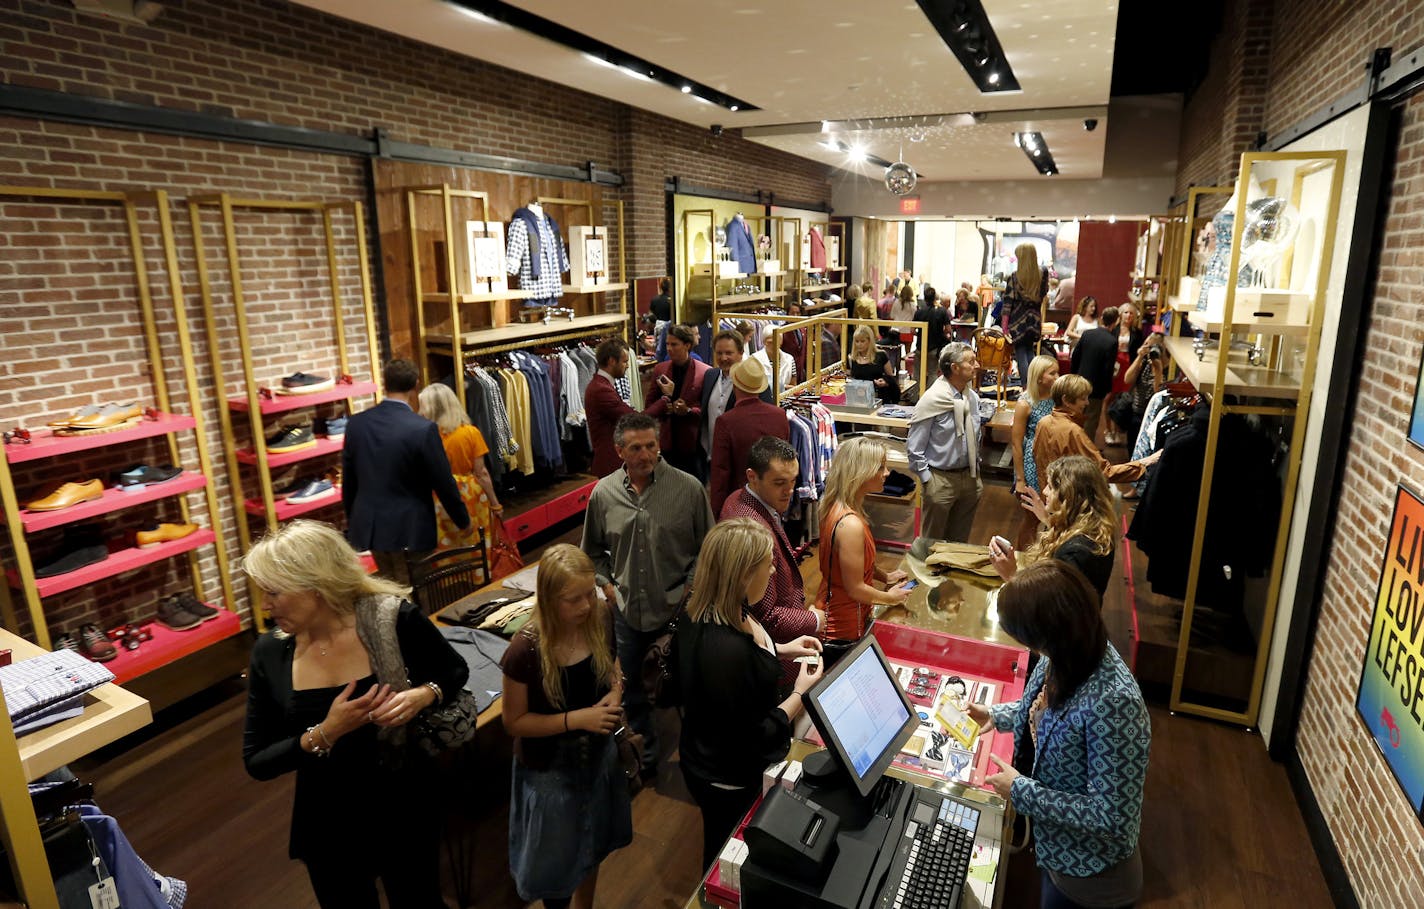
[[940, 399], [531, 222]]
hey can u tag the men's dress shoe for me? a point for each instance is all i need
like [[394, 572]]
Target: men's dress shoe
[[163, 533], [80, 554], [94, 644], [141, 475], [109, 416], [174, 615], [67, 641], [197, 607], [69, 494], [316, 489], [291, 438], [331, 427], [304, 383], [87, 410]]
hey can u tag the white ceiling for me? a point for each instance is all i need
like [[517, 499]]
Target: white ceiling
[[804, 61]]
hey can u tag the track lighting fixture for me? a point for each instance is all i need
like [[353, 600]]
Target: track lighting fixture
[[964, 26]]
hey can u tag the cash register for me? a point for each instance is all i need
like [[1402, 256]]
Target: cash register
[[847, 836]]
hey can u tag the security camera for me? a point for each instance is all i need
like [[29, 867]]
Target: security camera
[[1090, 124], [716, 130]]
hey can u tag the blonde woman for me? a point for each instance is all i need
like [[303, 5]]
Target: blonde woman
[[466, 449], [735, 720], [1033, 405], [1079, 523], [869, 362], [314, 707], [563, 690], [1024, 299], [847, 548]]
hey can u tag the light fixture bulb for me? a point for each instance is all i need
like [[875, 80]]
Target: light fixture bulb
[[993, 78], [687, 89], [1018, 141], [733, 107]]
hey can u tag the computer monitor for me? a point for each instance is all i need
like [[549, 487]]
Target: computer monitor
[[862, 713]]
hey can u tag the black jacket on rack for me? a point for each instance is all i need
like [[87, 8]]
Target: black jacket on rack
[[1242, 518]]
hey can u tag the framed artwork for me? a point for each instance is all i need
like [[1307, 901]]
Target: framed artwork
[[1416, 414], [1391, 695]]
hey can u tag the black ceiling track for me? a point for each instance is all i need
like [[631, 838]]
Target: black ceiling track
[[965, 28]]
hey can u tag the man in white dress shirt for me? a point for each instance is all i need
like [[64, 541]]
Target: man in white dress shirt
[[785, 375]]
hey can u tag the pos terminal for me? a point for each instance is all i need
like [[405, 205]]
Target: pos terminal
[[847, 836]]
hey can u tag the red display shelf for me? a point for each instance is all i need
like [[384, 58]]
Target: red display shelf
[[45, 444], [113, 500], [284, 403], [323, 446], [368, 562], [168, 645], [286, 510], [117, 563]]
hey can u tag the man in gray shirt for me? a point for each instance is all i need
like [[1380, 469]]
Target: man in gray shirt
[[643, 529], [943, 446]]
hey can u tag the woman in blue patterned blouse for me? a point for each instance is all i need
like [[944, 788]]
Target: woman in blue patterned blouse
[[1085, 714]]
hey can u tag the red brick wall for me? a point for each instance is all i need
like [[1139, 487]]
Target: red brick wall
[[1316, 51], [69, 330]]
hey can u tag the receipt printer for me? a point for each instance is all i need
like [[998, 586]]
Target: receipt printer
[[793, 835]]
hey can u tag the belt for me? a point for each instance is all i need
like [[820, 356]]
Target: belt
[[949, 469]]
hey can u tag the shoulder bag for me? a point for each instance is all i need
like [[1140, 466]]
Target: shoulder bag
[[438, 727]]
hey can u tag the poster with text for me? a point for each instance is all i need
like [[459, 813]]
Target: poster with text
[[1391, 697], [1416, 415]]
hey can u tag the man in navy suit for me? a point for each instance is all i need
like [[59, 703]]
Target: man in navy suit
[[391, 462]]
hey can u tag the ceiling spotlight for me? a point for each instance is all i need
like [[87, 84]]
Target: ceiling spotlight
[[1018, 141], [1112, 219], [687, 89], [856, 155], [1037, 152], [993, 78], [733, 108], [965, 28]]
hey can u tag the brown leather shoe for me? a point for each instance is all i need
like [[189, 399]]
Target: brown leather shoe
[[69, 494], [109, 415], [163, 533]]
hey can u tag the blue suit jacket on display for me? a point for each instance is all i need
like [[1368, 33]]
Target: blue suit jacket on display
[[741, 244], [391, 463]]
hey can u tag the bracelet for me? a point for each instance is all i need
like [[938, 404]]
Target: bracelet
[[439, 695], [316, 749], [322, 732]]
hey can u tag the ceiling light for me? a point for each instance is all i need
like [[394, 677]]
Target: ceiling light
[[1018, 141], [993, 78], [687, 89], [733, 108], [594, 58], [1037, 152], [856, 155], [965, 28], [1112, 219], [635, 73]]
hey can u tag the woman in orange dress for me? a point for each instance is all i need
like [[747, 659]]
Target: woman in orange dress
[[466, 449], [847, 547]]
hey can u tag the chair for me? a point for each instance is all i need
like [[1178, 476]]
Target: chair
[[442, 578]]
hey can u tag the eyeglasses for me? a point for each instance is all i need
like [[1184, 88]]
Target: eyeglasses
[[18, 436]]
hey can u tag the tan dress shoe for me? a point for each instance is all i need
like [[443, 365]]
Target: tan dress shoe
[[67, 495], [163, 533], [109, 416]]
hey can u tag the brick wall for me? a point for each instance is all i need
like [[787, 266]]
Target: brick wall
[[69, 324], [1316, 51]]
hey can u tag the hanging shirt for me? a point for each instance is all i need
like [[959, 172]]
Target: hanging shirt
[[540, 262]]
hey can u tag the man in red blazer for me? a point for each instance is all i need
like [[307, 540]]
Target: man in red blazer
[[771, 480], [679, 379], [603, 407], [739, 429]]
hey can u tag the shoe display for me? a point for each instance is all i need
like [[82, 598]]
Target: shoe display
[[331, 427], [316, 489], [84, 412], [198, 608], [288, 483], [304, 383], [174, 615], [83, 545], [67, 641], [141, 475], [110, 416], [69, 494], [95, 645], [291, 438], [163, 533]]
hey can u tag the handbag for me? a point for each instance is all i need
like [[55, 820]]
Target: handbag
[[659, 675], [630, 756], [437, 728], [504, 557]]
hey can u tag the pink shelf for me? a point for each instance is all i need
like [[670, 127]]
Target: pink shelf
[[286, 510], [168, 645], [368, 562], [323, 446], [284, 403], [46, 444], [118, 562], [113, 500]]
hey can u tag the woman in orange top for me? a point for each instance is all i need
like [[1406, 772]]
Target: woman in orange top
[[847, 549], [466, 449]]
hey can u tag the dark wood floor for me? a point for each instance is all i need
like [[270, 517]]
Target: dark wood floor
[[1220, 829]]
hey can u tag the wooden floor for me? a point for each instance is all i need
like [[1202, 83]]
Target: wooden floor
[[1220, 828]]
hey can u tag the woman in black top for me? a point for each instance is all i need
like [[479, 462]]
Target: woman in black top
[[734, 723], [869, 362], [363, 804], [1079, 522]]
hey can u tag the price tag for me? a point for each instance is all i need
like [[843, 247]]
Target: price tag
[[104, 895]]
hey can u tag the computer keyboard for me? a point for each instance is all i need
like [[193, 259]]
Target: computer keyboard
[[933, 859]]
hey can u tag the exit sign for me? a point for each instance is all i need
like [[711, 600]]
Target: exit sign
[[910, 205]]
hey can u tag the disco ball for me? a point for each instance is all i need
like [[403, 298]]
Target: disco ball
[[720, 236], [900, 178], [1270, 230]]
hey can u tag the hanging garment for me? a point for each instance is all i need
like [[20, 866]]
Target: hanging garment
[[536, 253], [138, 886], [516, 403], [818, 250], [742, 244], [544, 423], [570, 395]]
